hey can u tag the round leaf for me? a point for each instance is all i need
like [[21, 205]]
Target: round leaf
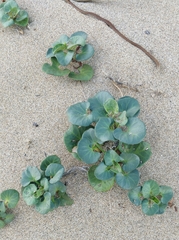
[[28, 194], [150, 188], [44, 206], [86, 52], [111, 106], [80, 33], [62, 40], [76, 40], [48, 161], [85, 73], [128, 180], [130, 161], [149, 207], [135, 195], [162, 208], [167, 194], [132, 133], [130, 105], [103, 129], [80, 114], [31, 174], [10, 198], [103, 172], [56, 187], [54, 171], [64, 58], [110, 157], [98, 185]]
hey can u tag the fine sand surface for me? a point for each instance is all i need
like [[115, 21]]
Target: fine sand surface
[[28, 95]]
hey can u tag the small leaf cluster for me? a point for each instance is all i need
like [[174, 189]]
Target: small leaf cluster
[[153, 198], [43, 188], [70, 51], [9, 200], [11, 14]]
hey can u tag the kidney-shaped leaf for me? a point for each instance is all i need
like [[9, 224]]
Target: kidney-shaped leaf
[[162, 208], [76, 40], [86, 52], [62, 40], [104, 130], [57, 187], [103, 172], [28, 194], [128, 180], [10, 198], [130, 105], [31, 174], [55, 172], [150, 188], [48, 161], [85, 73], [132, 133], [130, 161], [80, 114], [167, 194], [98, 185], [80, 33], [149, 207], [110, 157], [135, 195], [54, 68], [64, 58], [44, 206]]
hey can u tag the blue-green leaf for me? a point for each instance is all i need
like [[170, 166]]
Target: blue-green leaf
[[62, 40], [48, 160], [55, 172], [162, 208], [28, 194], [44, 183], [128, 180], [10, 198], [103, 172], [135, 195], [110, 157], [64, 58], [121, 119], [98, 185], [150, 188], [132, 133], [167, 194], [130, 105], [85, 53], [76, 40], [31, 174], [111, 106], [80, 114], [104, 130], [44, 206], [149, 207], [56, 187], [130, 161], [2, 207], [9, 217], [85, 73], [81, 34]]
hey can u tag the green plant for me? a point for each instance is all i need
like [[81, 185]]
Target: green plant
[[108, 134], [70, 51], [11, 14], [9, 200], [43, 188], [153, 198]]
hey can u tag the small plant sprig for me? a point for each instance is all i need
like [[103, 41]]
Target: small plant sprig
[[9, 200], [153, 198], [70, 51], [108, 134], [43, 188], [11, 14]]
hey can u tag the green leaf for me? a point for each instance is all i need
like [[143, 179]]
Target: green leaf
[[55, 172], [130, 161], [128, 180], [9, 218], [150, 188], [28, 194], [13, 12], [135, 196], [81, 34], [116, 168], [130, 105], [85, 53], [121, 119], [167, 194], [44, 206], [2, 224], [31, 174], [110, 157], [57, 187], [132, 133], [104, 130], [162, 208], [87, 150], [73, 135], [149, 207], [50, 54], [54, 69], [6, 21], [76, 40], [103, 172], [64, 200], [44, 183], [97, 104], [22, 18], [59, 47], [111, 107], [2, 207], [10, 198], [98, 185], [64, 58], [62, 40], [80, 114], [48, 161], [85, 73]]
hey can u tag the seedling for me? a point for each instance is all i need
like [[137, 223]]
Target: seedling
[[108, 134], [70, 51], [43, 188], [9, 200], [153, 198], [11, 14]]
